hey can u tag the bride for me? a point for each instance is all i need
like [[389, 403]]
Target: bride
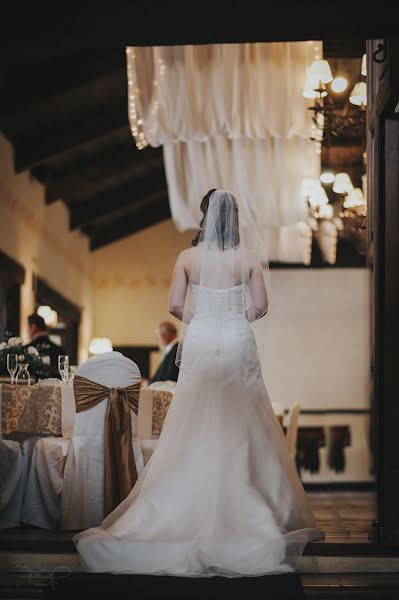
[[220, 495]]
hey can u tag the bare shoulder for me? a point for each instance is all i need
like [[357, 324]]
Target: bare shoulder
[[185, 256]]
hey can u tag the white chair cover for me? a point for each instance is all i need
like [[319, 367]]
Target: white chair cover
[[42, 498], [12, 479], [83, 492], [45, 463]]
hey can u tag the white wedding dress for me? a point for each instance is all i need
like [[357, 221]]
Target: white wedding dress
[[220, 495]]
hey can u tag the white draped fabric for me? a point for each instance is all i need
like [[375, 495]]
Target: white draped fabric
[[230, 116]]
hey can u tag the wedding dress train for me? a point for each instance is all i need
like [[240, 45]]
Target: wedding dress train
[[220, 495]]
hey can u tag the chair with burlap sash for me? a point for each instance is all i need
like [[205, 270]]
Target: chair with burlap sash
[[105, 456]]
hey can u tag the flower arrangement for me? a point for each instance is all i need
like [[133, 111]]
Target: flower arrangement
[[36, 358]]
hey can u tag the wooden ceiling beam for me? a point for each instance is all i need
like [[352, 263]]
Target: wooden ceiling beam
[[76, 184], [138, 207], [128, 195], [50, 143], [130, 224], [52, 83]]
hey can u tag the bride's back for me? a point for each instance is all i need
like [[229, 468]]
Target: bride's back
[[217, 269]]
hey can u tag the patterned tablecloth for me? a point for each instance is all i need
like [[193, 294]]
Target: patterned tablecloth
[[37, 409]]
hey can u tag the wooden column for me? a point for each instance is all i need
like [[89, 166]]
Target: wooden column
[[383, 201]]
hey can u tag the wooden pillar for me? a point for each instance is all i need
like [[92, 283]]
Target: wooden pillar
[[383, 221]]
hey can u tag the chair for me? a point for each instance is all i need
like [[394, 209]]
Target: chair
[[292, 429], [82, 503], [153, 407]]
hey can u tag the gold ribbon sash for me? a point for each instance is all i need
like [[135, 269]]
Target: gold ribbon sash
[[120, 473]]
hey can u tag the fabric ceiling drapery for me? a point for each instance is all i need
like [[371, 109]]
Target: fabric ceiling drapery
[[230, 116]]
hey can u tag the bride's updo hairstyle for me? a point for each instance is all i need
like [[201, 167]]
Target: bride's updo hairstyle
[[204, 209]]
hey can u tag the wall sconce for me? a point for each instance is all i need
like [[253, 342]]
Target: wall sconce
[[100, 346], [49, 315]]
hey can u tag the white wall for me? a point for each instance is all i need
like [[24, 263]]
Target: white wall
[[314, 346], [38, 237], [132, 279]]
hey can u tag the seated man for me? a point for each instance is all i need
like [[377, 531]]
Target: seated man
[[40, 339], [168, 342]]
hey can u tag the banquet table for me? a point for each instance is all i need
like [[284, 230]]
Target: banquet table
[[41, 409], [48, 409]]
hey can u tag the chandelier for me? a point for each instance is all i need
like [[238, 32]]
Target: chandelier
[[348, 120], [339, 214]]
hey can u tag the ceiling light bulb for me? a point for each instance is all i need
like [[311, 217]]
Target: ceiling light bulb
[[327, 177], [339, 85]]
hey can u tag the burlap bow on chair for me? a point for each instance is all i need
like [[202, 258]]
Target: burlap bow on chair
[[120, 472]]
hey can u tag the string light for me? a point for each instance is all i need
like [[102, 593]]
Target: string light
[[134, 108]]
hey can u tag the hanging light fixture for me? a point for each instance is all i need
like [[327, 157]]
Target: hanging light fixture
[[310, 88], [342, 184], [363, 68], [320, 70], [318, 197], [358, 95], [326, 211], [354, 198]]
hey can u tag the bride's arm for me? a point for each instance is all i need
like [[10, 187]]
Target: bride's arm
[[258, 290], [178, 288]]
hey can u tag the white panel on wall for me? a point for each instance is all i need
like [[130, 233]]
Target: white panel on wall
[[314, 344]]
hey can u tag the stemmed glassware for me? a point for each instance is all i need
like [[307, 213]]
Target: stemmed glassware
[[12, 366], [72, 373], [23, 376], [63, 367]]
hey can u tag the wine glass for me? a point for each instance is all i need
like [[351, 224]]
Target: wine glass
[[72, 373], [63, 367], [23, 376], [12, 366]]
